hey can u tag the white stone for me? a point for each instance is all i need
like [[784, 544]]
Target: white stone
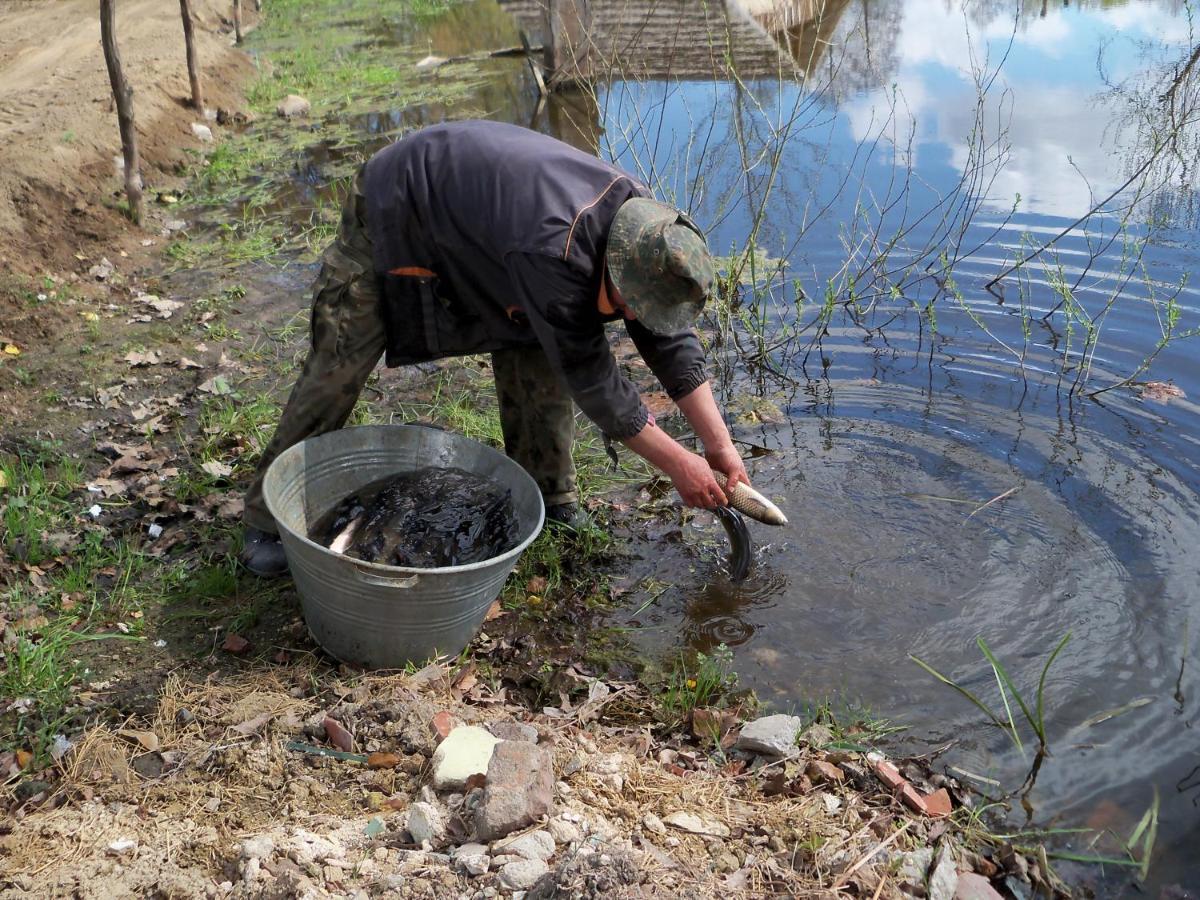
[[472, 858], [466, 751], [203, 132], [425, 823], [522, 874], [564, 832], [693, 824], [535, 845], [771, 735], [653, 824], [943, 880], [430, 62], [257, 847]]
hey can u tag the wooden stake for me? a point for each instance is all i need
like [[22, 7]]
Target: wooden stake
[[189, 40], [123, 94], [237, 20]]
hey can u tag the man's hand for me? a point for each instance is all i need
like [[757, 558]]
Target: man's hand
[[728, 461], [693, 478]]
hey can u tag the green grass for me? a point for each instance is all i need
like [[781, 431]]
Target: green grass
[[39, 481], [696, 681]]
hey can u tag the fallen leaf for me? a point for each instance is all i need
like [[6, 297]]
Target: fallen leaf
[[185, 363], [338, 735], [536, 585], [235, 644], [148, 739], [4, 482], [137, 358], [217, 385], [24, 758], [495, 611], [382, 760], [251, 726], [217, 469], [162, 306], [12, 349]]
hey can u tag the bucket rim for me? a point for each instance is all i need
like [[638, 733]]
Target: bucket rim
[[363, 565]]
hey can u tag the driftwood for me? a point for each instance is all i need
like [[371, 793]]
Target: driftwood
[[123, 94], [189, 40]]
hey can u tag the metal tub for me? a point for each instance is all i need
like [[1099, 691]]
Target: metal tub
[[387, 616]]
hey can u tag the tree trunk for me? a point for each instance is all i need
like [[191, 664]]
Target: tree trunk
[[123, 94], [237, 20], [189, 40]]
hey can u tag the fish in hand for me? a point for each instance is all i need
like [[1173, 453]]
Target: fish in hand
[[744, 499]]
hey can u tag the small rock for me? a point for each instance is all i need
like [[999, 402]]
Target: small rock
[[694, 824], [914, 865], [535, 845], [442, 724], [943, 880], [514, 731], [522, 874], [770, 735], [520, 789], [653, 824], [465, 752], [257, 847], [293, 105], [430, 62], [727, 862], [564, 832], [476, 865], [974, 887], [425, 823], [124, 845], [937, 804], [203, 132]]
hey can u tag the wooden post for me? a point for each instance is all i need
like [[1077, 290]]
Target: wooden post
[[567, 24], [123, 94], [189, 40], [237, 20]]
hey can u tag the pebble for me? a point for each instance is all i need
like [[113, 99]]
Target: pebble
[[564, 832], [203, 132], [534, 845], [257, 847], [770, 735], [522, 874], [694, 824], [514, 731], [425, 823], [943, 880], [653, 824]]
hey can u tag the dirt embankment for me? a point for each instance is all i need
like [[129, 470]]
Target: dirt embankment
[[58, 128]]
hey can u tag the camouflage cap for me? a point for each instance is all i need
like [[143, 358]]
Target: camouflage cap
[[659, 264]]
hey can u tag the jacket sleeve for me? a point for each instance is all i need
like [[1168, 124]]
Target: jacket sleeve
[[561, 308], [677, 360]]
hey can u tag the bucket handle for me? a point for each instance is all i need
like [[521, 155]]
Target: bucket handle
[[383, 579]]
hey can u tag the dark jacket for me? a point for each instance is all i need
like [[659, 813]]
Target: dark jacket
[[488, 235]]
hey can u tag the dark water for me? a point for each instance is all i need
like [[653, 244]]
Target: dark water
[[888, 159], [425, 519]]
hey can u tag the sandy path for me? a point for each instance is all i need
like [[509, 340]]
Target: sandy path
[[58, 130]]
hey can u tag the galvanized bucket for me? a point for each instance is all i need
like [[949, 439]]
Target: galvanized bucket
[[387, 616]]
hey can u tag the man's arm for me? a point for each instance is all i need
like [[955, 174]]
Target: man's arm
[[702, 414]]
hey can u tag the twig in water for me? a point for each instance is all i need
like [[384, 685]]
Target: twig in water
[[996, 499]]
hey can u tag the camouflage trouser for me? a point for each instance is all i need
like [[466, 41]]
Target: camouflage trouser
[[536, 413]]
